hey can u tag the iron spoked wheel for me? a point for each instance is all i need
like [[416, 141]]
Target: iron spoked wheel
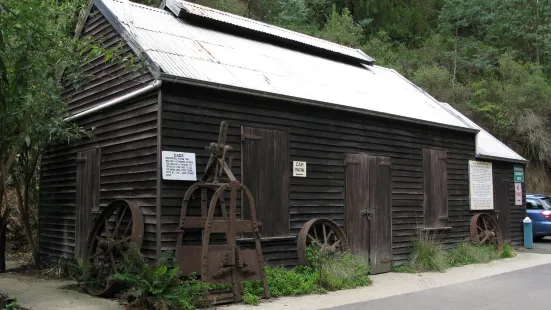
[[117, 226], [323, 234], [484, 230]]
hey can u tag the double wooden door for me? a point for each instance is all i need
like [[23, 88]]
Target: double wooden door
[[368, 209]]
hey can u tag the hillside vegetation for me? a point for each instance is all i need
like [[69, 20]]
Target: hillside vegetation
[[490, 59]]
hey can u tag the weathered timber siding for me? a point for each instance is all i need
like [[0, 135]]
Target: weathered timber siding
[[127, 136], [104, 80], [191, 119], [503, 170]]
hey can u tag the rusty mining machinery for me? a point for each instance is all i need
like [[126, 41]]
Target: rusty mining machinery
[[220, 263]]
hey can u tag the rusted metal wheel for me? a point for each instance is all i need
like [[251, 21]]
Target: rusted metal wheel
[[322, 233], [484, 230], [117, 226]]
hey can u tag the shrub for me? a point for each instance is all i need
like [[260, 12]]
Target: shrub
[[158, 285], [251, 299], [427, 253]]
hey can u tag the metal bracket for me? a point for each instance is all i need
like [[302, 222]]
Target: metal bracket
[[367, 213]]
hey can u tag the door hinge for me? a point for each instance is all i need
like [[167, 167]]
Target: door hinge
[[351, 162], [388, 260], [384, 164]]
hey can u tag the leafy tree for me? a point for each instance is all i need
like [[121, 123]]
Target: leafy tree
[[340, 28], [37, 49]]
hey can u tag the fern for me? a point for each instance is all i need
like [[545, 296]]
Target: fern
[[158, 285]]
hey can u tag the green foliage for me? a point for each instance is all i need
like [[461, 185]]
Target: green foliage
[[158, 285], [467, 253], [341, 29], [427, 253], [250, 299], [507, 252], [403, 269], [329, 272], [12, 305]]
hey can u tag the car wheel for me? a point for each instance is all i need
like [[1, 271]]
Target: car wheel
[[538, 238]]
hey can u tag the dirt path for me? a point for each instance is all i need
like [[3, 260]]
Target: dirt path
[[42, 294]]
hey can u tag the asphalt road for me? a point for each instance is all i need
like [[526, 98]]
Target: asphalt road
[[521, 289], [543, 246]]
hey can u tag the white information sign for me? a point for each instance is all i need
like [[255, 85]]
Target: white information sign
[[481, 185], [518, 194], [179, 166], [299, 168]]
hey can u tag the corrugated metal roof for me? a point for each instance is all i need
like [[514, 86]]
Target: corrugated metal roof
[[177, 6], [486, 144], [188, 51]]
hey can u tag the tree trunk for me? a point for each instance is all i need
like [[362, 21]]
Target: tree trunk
[[24, 217], [27, 227], [3, 231]]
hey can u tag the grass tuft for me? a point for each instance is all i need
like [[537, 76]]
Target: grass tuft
[[508, 251], [403, 269], [427, 253], [467, 253]]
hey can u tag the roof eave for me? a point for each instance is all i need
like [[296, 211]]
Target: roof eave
[[241, 90], [127, 37], [503, 159]]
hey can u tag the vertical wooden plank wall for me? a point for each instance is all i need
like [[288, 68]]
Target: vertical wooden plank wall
[[191, 118], [503, 170]]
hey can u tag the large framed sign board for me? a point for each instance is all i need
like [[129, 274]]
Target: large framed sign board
[[481, 185]]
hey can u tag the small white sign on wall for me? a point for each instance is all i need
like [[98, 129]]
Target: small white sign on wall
[[481, 185], [299, 168], [179, 166], [518, 194]]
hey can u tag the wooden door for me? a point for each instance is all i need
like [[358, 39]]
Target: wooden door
[[87, 196], [357, 203], [368, 209], [380, 202], [266, 172], [502, 207]]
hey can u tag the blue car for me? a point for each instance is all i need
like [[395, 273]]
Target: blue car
[[538, 209]]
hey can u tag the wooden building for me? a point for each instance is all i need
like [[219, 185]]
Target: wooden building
[[373, 144]]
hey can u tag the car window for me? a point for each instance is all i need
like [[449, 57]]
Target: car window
[[546, 203], [534, 204]]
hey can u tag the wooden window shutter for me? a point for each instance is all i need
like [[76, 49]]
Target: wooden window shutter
[[435, 175], [87, 196], [266, 172]]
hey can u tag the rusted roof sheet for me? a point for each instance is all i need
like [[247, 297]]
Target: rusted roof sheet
[[179, 7], [187, 51]]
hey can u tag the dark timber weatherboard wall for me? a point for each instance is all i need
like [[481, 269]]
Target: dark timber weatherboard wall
[[127, 138], [191, 119]]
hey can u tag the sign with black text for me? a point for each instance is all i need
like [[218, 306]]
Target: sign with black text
[[299, 168], [179, 166]]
